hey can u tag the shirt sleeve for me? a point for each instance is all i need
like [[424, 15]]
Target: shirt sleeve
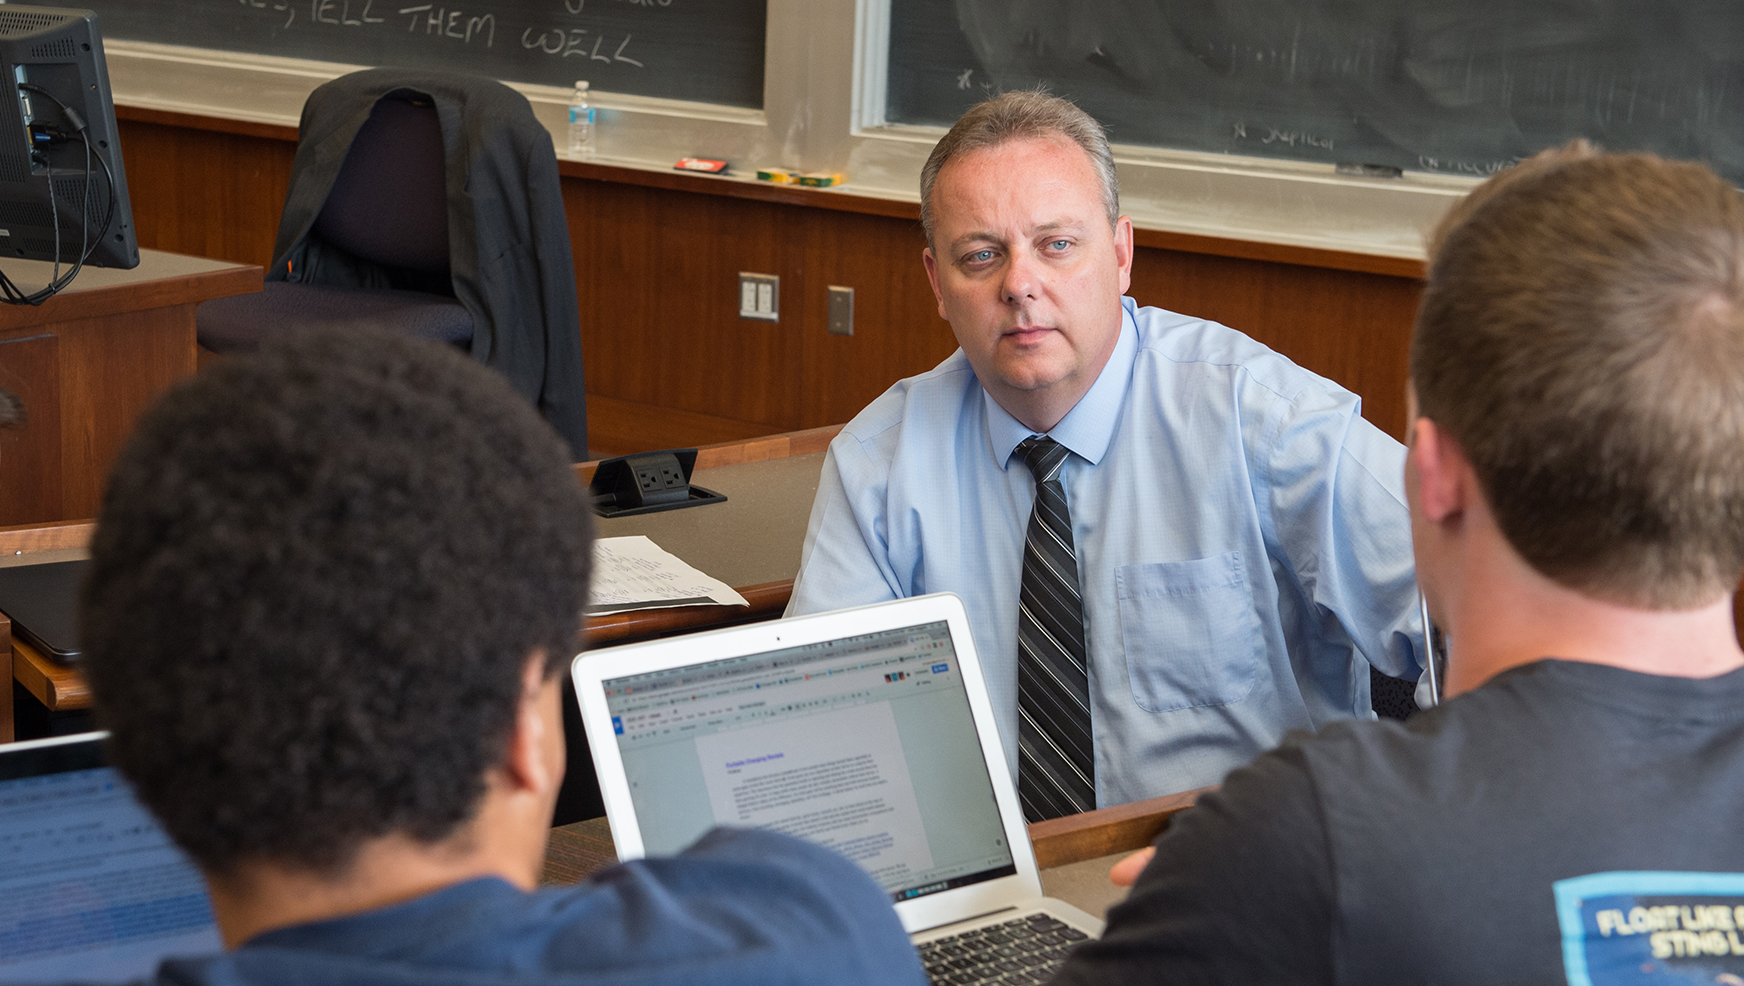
[[1240, 891], [740, 907], [845, 561], [1339, 520]]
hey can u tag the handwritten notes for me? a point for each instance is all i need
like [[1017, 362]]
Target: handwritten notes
[[635, 573]]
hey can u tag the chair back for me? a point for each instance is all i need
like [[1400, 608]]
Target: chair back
[[389, 204]]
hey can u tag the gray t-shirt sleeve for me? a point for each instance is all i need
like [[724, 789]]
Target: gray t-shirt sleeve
[[1240, 891]]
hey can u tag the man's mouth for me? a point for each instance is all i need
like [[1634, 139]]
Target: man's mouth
[[1024, 335]]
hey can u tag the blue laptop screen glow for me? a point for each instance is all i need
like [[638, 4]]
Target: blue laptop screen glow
[[90, 887]]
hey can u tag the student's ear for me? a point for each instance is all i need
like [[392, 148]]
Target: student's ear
[[534, 761], [1438, 472]]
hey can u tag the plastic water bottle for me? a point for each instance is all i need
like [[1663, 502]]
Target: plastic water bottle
[[580, 123]]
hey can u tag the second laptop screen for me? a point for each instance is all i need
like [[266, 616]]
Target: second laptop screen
[[865, 744]]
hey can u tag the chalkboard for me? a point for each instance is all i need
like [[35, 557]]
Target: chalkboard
[[706, 50], [1462, 86]]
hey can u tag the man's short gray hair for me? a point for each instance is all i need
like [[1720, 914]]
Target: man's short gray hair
[[1024, 115]]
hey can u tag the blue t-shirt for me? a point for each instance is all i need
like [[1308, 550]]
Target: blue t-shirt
[[739, 908]]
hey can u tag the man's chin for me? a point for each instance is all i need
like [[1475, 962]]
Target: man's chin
[[1032, 378]]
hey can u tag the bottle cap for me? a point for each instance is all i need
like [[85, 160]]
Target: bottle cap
[[582, 85]]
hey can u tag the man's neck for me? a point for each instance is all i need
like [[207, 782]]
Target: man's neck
[[1509, 615], [261, 896]]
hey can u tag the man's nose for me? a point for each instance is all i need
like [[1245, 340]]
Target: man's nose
[[1022, 279]]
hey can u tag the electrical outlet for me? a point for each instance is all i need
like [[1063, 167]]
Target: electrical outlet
[[660, 479], [760, 297], [652, 478], [841, 319]]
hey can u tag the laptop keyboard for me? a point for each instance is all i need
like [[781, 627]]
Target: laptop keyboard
[[1016, 953]]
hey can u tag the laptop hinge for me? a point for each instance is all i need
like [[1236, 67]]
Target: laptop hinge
[[965, 920]]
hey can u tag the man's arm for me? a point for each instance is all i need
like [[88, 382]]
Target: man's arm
[[1336, 491], [741, 906], [845, 561], [1240, 891]]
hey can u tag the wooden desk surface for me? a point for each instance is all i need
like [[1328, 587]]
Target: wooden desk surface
[[160, 279], [1074, 852], [751, 542]]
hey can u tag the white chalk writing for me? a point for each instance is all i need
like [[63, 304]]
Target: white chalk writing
[[443, 22], [563, 43]]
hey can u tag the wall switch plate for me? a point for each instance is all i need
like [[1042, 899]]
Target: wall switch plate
[[760, 297], [841, 321]]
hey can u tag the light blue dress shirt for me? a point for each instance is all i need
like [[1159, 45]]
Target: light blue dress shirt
[[1242, 537]]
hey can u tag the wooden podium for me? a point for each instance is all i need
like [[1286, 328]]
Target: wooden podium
[[86, 363]]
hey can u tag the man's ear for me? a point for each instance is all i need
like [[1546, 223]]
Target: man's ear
[[528, 762], [1123, 251], [931, 263], [1440, 471]]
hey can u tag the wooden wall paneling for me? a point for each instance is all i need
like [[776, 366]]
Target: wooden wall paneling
[[657, 274], [122, 384], [657, 257], [1353, 328], [897, 328], [30, 456], [206, 193]]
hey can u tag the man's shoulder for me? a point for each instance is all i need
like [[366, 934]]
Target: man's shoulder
[[928, 403], [739, 907], [1183, 343]]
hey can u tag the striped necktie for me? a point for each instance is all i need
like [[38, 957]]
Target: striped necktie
[[1056, 763]]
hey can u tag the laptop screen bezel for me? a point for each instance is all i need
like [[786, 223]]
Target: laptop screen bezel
[[54, 755], [590, 669]]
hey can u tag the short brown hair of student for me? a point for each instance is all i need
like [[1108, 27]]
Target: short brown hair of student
[[1025, 115], [1582, 338]]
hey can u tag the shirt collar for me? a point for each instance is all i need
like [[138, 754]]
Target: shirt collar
[[1089, 426]]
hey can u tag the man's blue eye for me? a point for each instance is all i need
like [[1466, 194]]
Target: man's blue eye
[[980, 256], [1060, 244]]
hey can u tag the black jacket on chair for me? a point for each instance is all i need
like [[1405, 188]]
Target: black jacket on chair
[[509, 255]]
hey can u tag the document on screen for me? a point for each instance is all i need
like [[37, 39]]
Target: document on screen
[[840, 780]]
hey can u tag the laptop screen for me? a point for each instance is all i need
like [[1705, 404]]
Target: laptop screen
[[864, 744], [90, 887]]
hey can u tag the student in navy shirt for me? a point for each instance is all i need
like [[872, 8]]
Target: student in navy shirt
[[332, 591]]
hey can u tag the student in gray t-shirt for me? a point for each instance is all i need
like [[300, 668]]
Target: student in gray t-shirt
[[1576, 481]]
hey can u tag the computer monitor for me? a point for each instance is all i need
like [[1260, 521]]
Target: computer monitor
[[60, 162]]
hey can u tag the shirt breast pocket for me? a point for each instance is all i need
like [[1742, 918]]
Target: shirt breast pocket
[[1191, 635]]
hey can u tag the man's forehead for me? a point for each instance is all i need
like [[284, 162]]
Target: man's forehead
[[1037, 183]]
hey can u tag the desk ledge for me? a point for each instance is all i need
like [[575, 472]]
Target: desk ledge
[[1122, 828]]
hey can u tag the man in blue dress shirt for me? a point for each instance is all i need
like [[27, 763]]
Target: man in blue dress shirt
[[1240, 531], [333, 590]]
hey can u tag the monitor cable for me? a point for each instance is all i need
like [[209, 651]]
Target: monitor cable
[[10, 293]]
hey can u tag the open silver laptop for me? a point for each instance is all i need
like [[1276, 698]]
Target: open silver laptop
[[90, 887], [867, 730]]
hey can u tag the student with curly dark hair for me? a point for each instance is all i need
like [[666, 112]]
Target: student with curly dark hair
[[332, 591]]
